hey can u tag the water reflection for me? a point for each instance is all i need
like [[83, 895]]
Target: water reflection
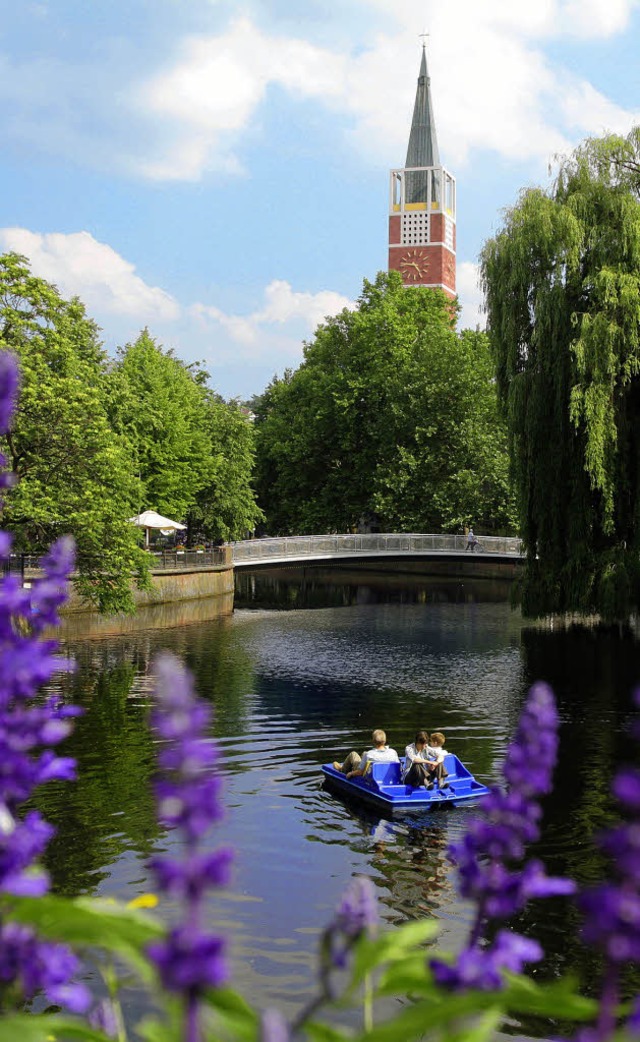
[[340, 586], [295, 689]]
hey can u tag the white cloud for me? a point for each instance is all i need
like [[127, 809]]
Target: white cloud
[[282, 305], [585, 108], [81, 266], [470, 296], [493, 86], [595, 18]]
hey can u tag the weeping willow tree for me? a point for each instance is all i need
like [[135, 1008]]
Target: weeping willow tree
[[562, 282]]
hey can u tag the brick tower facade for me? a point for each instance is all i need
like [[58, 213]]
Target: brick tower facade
[[422, 204]]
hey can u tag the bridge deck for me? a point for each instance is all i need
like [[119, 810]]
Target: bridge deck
[[252, 553]]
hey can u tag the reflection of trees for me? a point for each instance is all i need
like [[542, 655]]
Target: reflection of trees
[[307, 586], [593, 672], [109, 809]]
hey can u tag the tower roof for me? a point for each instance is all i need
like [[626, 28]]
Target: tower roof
[[423, 144]]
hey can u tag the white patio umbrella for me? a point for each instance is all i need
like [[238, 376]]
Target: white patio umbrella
[[152, 519]]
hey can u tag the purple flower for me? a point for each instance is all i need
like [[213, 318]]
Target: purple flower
[[190, 961], [188, 879], [41, 966], [633, 1022], [188, 798], [357, 914], [9, 384], [481, 968], [104, 1017], [358, 909], [273, 1027], [612, 909], [490, 856], [29, 730]]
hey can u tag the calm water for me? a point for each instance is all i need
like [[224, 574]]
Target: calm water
[[294, 689]]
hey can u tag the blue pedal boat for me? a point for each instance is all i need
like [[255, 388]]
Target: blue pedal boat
[[382, 787]]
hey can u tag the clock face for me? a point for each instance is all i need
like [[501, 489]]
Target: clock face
[[413, 266]]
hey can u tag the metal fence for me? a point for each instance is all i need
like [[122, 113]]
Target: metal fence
[[338, 545], [27, 566], [172, 560]]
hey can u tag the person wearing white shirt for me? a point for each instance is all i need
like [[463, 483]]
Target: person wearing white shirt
[[416, 768], [356, 765], [436, 753]]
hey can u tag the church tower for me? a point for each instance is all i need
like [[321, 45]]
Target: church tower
[[422, 204]]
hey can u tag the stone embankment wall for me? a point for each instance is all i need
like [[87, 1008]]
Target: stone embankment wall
[[178, 597]]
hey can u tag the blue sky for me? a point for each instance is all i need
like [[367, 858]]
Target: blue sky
[[218, 171]]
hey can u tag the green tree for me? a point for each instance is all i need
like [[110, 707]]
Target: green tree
[[73, 472], [563, 291], [159, 404], [225, 507], [391, 415], [192, 451]]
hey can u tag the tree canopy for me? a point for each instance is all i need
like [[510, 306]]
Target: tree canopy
[[392, 416], [562, 280], [192, 452], [72, 469], [96, 441]]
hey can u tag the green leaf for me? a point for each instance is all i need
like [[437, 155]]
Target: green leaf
[[555, 999], [323, 1032], [96, 923], [408, 977], [479, 1031], [391, 946], [30, 1027], [230, 1014], [436, 1011]]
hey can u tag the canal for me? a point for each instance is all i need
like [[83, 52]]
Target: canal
[[299, 675]]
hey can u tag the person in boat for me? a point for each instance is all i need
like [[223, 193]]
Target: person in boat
[[416, 769], [436, 753], [355, 765]]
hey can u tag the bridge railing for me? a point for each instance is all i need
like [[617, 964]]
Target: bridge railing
[[403, 543]]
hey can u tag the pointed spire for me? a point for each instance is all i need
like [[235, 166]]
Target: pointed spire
[[423, 144]]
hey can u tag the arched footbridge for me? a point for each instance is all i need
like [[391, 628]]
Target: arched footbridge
[[303, 549]]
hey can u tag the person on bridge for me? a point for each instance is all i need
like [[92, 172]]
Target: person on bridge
[[356, 765], [471, 541]]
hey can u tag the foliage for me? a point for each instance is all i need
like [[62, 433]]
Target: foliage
[[192, 451], [73, 470], [157, 402], [225, 507], [563, 293], [392, 416]]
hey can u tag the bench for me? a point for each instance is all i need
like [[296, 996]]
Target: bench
[[386, 773]]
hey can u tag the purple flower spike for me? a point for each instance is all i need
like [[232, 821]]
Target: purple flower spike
[[188, 797], [190, 961], [358, 910], [482, 968], [273, 1027], [9, 384], [104, 1017], [29, 728], [40, 966], [357, 914], [612, 909], [490, 856]]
